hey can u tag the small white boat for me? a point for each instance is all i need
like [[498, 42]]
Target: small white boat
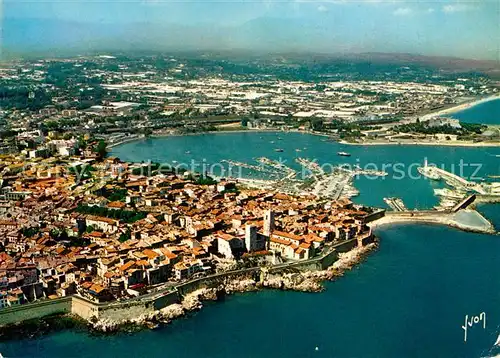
[[344, 154], [497, 342]]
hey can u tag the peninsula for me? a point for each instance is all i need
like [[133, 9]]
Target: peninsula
[[114, 241]]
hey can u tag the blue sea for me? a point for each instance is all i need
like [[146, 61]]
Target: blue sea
[[408, 299], [485, 113]]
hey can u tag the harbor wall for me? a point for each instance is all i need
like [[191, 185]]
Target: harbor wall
[[487, 198], [416, 214], [464, 203]]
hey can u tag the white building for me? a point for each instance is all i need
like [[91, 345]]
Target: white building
[[105, 224], [227, 245]]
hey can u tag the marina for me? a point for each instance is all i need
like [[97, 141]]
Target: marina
[[412, 187]]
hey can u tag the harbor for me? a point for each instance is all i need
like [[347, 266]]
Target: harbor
[[312, 178]]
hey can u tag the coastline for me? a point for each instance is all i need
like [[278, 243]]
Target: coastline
[[271, 130], [308, 281], [460, 107], [434, 144], [165, 135]]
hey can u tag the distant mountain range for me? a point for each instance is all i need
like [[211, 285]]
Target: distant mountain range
[[36, 34], [39, 37]]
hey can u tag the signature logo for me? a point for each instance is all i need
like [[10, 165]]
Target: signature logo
[[473, 321]]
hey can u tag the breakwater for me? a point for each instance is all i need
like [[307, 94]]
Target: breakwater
[[464, 219], [142, 306]]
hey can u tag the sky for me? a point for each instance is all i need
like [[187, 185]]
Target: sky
[[468, 29]]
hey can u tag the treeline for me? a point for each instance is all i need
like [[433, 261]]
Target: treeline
[[345, 130], [127, 216], [424, 128]]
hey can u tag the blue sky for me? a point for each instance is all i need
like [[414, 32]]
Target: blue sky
[[441, 27]]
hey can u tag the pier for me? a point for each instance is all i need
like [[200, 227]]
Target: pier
[[456, 181], [395, 204]]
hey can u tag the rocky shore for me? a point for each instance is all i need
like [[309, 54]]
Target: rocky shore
[[35, 328], [307, 281]]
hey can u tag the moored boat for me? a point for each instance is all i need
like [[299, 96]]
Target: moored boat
[[428, 172], [344, 154]]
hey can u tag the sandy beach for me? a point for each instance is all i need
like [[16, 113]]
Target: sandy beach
[[451, 143], [460, 107]]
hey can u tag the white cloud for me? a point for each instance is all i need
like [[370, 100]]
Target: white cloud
[[402, 11], [456, 8], [322, 8]]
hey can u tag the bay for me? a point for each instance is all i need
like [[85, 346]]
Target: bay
[[485, 113]]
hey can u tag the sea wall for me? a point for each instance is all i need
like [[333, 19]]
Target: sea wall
[[124, 311], [165, 300], [213, 281], [416, 214], [35, 310]]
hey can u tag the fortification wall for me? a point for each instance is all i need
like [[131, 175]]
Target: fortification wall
[[124, 311], [127, 310], [329, 259], [84, 308], [374, 216], [166, 300], [35, 310], [347, 245], [214, 280]]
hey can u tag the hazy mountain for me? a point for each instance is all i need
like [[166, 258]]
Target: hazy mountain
[[266, 34], [262, 35]]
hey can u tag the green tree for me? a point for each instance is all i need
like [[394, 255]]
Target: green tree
[[125, 236], [101, 150]]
